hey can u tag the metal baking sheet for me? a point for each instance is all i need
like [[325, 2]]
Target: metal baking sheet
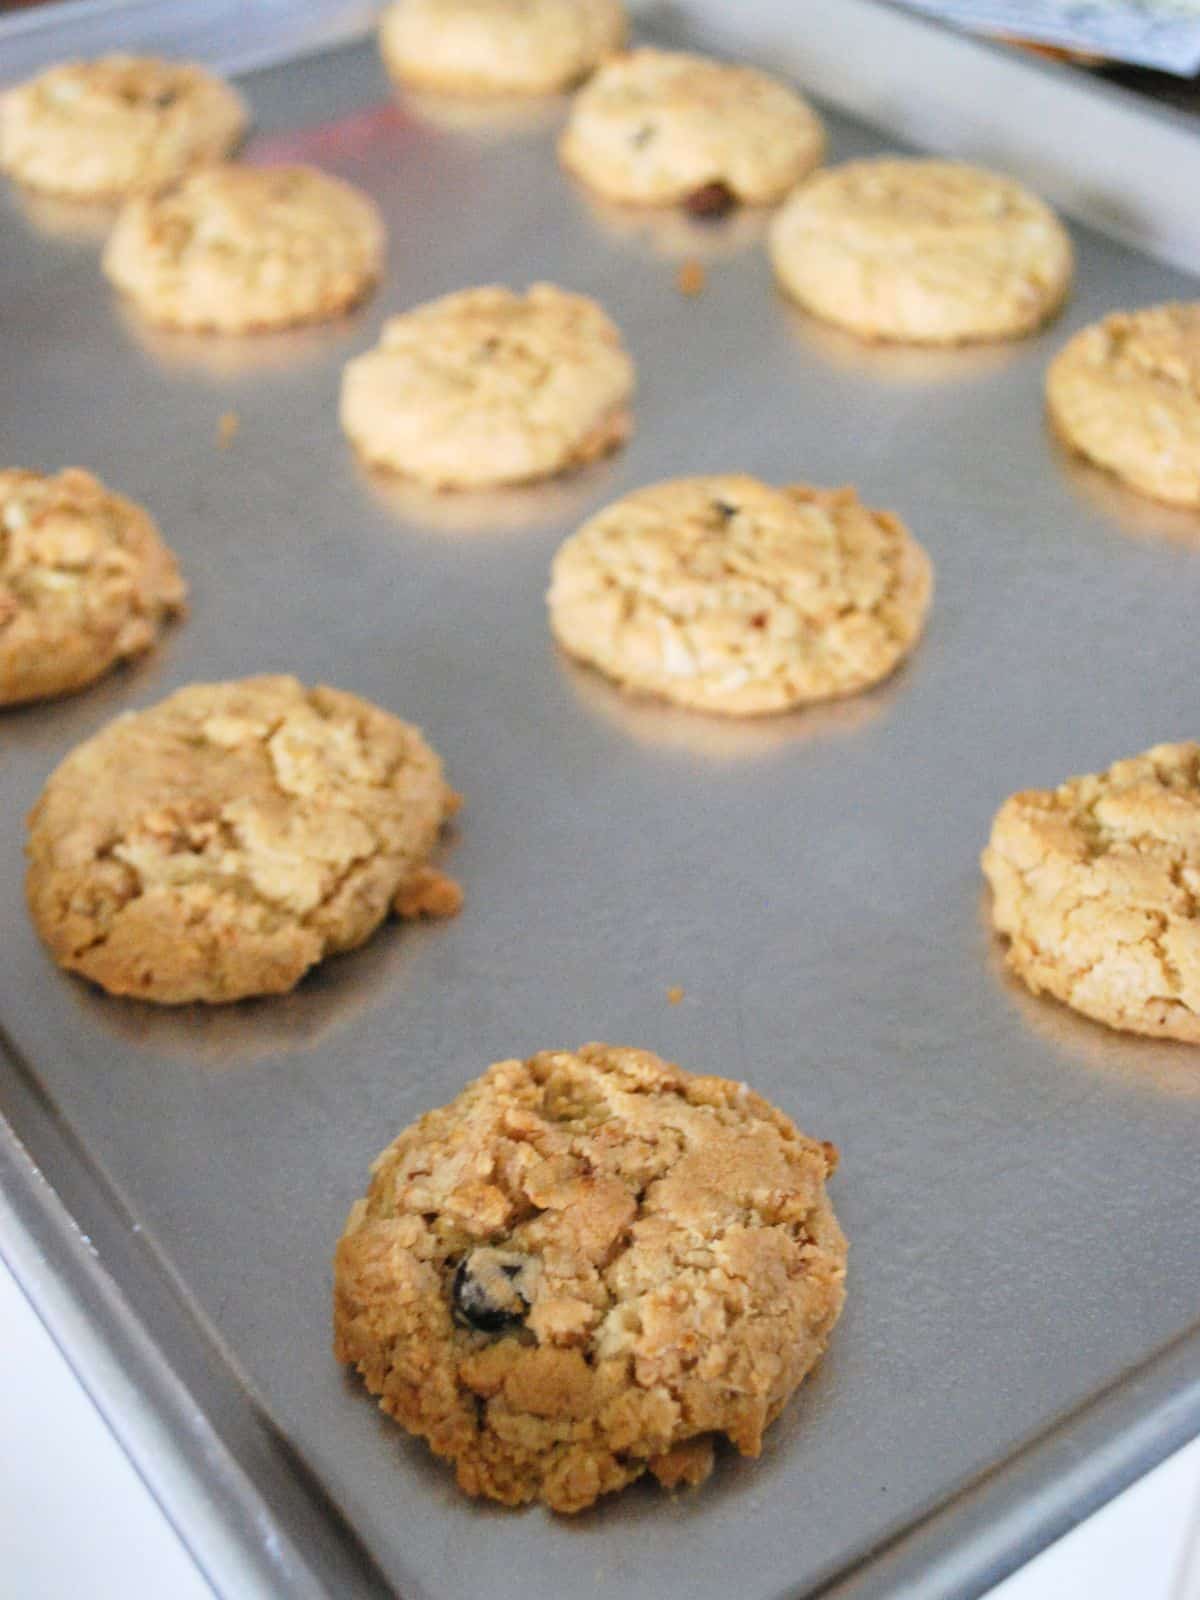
[[1020, 1188]]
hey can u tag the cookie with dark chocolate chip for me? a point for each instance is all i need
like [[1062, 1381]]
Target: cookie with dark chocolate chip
[[589, 1266], [732, 596], [666, 128]]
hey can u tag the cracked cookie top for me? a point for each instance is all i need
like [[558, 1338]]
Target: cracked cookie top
[[728, 595], [221, 843], [487, 386], [1095, 886], [657, 127], [1125, 392], [239, 249], [928, 252], [85, 581], [103, 129], [498, 46], [588, 1266]]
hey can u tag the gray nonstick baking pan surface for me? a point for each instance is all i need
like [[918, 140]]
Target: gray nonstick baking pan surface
[[1020, 1187]]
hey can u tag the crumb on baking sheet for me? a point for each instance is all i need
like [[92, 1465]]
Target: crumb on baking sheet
[[428, 893], [674, 994], [690, 279], [227, 427]]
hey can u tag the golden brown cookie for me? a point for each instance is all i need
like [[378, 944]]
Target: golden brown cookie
[[727, 595], [491, 387], [225, 841], [491, 47], [656, 127], [1125, 392], [1096, 886], [244, 249], [588, 1266], [104, 129], [85, 582], [926, 252]]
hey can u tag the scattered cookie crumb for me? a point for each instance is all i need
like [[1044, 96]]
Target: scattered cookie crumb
[[691, 279], [674, 994], [226, 428], [428, 893]]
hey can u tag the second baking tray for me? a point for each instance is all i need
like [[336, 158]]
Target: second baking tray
[[1020, 1188]]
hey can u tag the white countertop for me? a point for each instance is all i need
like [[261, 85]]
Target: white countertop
[[76, 1520]]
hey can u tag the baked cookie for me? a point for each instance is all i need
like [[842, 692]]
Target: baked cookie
[[491, 387], [926, 252], [243, 249], [1096, 886], [586, 1267], [498, 46], [1125, 392], [656, 127], [85, 582], [727, 595], [223, 842], [103, 129]]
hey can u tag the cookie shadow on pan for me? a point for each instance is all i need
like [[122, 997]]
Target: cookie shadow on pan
[[716, 737], [221, 356], [436, 1478], [892, 362], [60, 217], [245, 1033], [644, 1499], [668, 232], [556, 502], [1138, 515], [735, 1478], [1166, 1067], [57, 723]]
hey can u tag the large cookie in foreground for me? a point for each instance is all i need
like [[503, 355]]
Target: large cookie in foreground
[[586, 1267]]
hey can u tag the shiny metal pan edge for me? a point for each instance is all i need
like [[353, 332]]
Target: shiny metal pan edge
[[1020, 1188]]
